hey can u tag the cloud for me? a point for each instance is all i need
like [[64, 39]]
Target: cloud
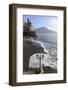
[[53, 25]]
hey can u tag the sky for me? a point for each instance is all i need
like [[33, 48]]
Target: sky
[[50, 22]]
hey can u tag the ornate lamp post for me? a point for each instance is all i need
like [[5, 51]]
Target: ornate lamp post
[[40, 57]]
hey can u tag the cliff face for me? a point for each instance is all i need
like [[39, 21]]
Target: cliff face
[[28, 29]]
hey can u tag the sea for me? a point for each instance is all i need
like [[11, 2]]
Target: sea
[[50, 38]]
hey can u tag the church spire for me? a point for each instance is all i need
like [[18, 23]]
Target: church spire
[[28, 20]]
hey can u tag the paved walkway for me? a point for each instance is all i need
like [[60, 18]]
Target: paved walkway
[[34, 61]]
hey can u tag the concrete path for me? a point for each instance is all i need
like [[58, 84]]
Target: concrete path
[[34, 61]]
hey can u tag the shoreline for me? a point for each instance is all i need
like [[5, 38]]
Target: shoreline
[[31, 48]]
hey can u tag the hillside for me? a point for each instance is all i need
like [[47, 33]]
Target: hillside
[[44, 30]]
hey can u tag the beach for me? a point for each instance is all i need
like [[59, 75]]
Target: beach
[[31, 47]]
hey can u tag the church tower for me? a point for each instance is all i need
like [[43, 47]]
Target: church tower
[[28, 29]]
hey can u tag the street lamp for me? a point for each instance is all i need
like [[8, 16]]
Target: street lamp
[[40, 57]]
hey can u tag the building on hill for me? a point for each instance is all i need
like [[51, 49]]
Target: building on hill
[[28, 29]]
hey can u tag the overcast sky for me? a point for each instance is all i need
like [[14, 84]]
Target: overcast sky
[[43, 21]]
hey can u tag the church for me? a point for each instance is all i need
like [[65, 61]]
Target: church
[[28, 29]]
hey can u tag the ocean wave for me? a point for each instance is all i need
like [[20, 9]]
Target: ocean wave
[[41, 44]]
